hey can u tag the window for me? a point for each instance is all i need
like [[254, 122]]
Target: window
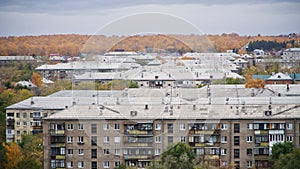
[[117, 139], [182, 139], [237, 164], [117, 163], [249, 126], [236, 128], [249, 164], [24, 132], [117, 126], [94, 140], [224, 126], [31, 115], [70, 151], [117, 152], [157, 139], [223, 151], [289, 126], [24, 115], [80, 164], [125, 151], [170, 139], [157, 151], [157, 127], [182, 126], [105, 126], [249, 138], [70, 164], [249, 151], [223, 139], [106, 151], [256, 126], [45, 115], [80, 126], [18, 115], [70, 126], [106, 139], [224, 163], [18, 132], [80, 139], [170, 128], [70, 139], [94, 128], [289, 138], [94, 153], [236, 140], [24, 123], [106, 164], [200, 151], [236, 153], [80, 152], [94, 164], [18, 123]]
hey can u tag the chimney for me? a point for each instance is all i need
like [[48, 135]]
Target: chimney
[[32, 102]]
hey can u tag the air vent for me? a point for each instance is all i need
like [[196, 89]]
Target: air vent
[[133, 113], [268, 113], [146, 107]]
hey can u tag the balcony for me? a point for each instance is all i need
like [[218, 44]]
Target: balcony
[[264, 144], [35, 127], [207, 144], [129, 144], [37, 118], [80, 142], [204, 132], [58, 145], [9, 136], [137, 157], [261, 132], [57, 132], [138, 132]]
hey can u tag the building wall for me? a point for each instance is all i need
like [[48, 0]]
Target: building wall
[[140, 151]]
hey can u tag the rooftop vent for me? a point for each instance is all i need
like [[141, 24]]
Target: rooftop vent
[[268, 113], [133, 113]]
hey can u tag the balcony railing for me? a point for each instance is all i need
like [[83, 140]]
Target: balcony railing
[[127, 157], [128, 144], [58, 145], [57, 132], [138, 132], [205, 132]]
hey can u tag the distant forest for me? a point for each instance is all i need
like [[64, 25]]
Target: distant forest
[[73, 44]]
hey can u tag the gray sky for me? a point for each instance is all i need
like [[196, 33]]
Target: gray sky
[[36, 17]]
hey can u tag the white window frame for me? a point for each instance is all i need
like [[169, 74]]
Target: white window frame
[[80, 164], [182, 127], [105, 126], [117, 126], [249, 164], [106, 139], [70, 139], [249, 139], [289, 126], [117, 152], [157, 151], [224, 126], [80, 139], [80, 151], [70, 152], [223, 151], [70, 126], [157, 139], [106, 164], [157, 126], [223, 140], [117, 139], [70, 164], [250, 126], [80, 126]]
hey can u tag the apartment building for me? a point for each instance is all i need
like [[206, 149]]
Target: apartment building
[[137, 128]]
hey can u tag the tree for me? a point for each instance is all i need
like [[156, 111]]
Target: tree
[[179, 156], [32, 148], [280, 148], [255, 83], [13, 155], [289, 160], [37, 79], [28, 163]]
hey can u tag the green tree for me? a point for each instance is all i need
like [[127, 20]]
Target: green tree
[[28, 163], [280, 149], [288, 161], [32, 148], [179, 156]]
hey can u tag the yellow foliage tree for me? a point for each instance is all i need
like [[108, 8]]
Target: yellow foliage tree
[[37, 79], [13, 155], [255, 83]]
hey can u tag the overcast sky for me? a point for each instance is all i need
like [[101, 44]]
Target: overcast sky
[[251, 17]]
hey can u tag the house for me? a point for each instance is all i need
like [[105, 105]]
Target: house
[[280, 78], [291, 57]]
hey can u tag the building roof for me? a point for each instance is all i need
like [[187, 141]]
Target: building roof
[[280, 76], [190, 112], [16, 58]]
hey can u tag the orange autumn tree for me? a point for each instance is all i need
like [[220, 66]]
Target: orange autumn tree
[[255, 83], [37, 79], [13, 155]]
